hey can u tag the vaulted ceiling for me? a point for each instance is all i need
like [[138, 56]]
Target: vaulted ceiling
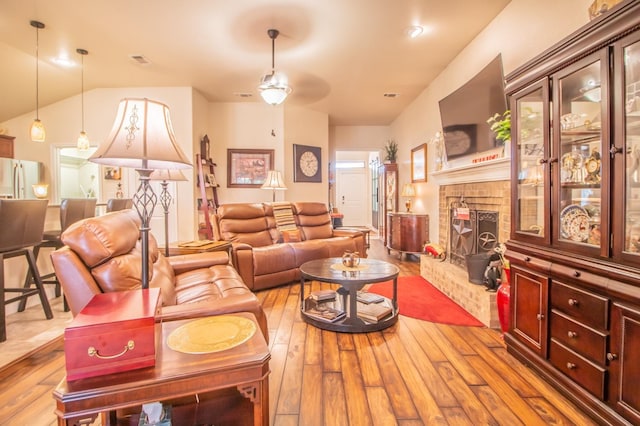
[[341, 56]]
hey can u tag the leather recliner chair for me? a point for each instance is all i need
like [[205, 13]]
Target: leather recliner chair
[[103, 254]]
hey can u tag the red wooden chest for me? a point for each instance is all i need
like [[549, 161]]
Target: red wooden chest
[[115, 332]]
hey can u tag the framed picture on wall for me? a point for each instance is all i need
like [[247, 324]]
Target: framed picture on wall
[[307, 163], [112, 173], [247, 168], [419, 163]]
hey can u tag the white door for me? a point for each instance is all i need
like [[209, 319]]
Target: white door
[[352, 199]]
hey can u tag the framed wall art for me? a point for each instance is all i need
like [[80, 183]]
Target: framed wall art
[[419, 163], [307, 163], [112, 173], [247, 168]]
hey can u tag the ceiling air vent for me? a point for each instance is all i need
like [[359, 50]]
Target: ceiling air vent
[[391, 95], [140, 59]]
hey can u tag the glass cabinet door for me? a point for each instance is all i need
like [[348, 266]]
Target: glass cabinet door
[[529, 117], [578, 146], [631, 123]]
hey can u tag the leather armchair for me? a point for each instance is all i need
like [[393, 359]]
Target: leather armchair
[[103, 254]]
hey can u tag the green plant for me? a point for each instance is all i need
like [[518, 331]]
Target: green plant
[[500, 124], [391, 149]]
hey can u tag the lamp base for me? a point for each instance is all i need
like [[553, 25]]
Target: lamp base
[[407, 204]]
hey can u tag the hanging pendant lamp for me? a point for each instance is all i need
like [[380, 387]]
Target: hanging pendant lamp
[[83, 139], [37, 128], [274, 87]]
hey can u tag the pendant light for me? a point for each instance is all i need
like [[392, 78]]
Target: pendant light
[[83, 139], [274, 87], [37, 128]]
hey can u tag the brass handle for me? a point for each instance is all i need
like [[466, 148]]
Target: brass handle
[[571, 366], [573, 302], [542, 161], [612, 357], [614, 150], [94, 352], [527, 259], [572, 334], [576, 274], [540, 317]]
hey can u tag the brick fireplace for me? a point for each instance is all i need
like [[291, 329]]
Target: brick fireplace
[[483, 188]]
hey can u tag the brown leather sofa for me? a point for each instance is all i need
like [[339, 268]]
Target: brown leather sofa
[[103, 254], [259, 253]]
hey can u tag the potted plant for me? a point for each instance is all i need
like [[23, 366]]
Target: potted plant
[[500, 124], [391, 150]]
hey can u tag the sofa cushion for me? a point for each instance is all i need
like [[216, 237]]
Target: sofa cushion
[[314, 220], [208, 284], [123, 273], [243, 223], [275, 258], [310, 250], [94, 241], [292, 235]]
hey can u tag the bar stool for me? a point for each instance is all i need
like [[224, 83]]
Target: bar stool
[[71, 211], [115, 204], [22, 223]]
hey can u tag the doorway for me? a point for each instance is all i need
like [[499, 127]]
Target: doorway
[[352, 196]]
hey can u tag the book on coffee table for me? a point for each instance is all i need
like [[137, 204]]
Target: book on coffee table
[[373, 312], [326, 314], [367, 298], [323, 295]]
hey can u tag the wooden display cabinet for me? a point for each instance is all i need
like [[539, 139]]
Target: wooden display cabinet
[[6, 146], [575, 231], [388, 199]]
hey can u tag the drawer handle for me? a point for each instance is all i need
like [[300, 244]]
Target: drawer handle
[[527, 259], [539, 317], [612, 357], [94, 352], [571, 366], [572, 334], [573, 302], [576, 274]]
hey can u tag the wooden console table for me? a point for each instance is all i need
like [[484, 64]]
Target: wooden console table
[[175, 375]]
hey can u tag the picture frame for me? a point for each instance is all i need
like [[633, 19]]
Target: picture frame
[[112, 173], [248, 168], [307, 163], [419, 163]]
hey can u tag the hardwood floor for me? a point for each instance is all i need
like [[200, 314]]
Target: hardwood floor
[[413, 373]]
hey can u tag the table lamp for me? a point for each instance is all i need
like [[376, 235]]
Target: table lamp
[[275, 182], [409, 191], [142, 137], [166, 175]]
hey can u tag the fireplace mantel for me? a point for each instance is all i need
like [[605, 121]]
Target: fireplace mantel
[[488, 171]]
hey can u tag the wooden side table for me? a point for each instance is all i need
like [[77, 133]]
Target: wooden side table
[[175, 375], [190, 247]]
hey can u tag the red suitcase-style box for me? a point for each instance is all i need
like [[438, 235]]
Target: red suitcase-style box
[[115, 332]]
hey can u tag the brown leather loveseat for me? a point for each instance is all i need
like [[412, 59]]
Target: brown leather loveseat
[[261, 253], [103, 254]]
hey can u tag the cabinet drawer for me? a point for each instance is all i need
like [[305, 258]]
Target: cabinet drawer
[[579, 369], [585, 307], [582, 339]]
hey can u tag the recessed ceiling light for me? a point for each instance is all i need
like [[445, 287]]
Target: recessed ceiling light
[[140, 59], [414, 31], [391, 95]]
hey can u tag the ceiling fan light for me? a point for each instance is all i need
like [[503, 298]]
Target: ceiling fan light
[[37, 131], [274, 95]]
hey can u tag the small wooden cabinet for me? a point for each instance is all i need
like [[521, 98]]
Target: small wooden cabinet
[[407, 232], [6, 146]]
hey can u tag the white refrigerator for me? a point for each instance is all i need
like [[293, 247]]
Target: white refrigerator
[[18, 176]]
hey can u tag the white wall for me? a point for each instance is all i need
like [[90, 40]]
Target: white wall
[[522, 30]]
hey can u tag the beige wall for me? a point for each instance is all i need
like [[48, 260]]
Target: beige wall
[[524, 29]]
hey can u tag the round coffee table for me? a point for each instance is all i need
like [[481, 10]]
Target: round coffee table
[[351, 280]]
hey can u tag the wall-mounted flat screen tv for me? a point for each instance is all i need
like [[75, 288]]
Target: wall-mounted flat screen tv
[[464, 113]]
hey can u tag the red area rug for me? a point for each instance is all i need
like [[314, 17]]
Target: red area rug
[[418, 298]]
